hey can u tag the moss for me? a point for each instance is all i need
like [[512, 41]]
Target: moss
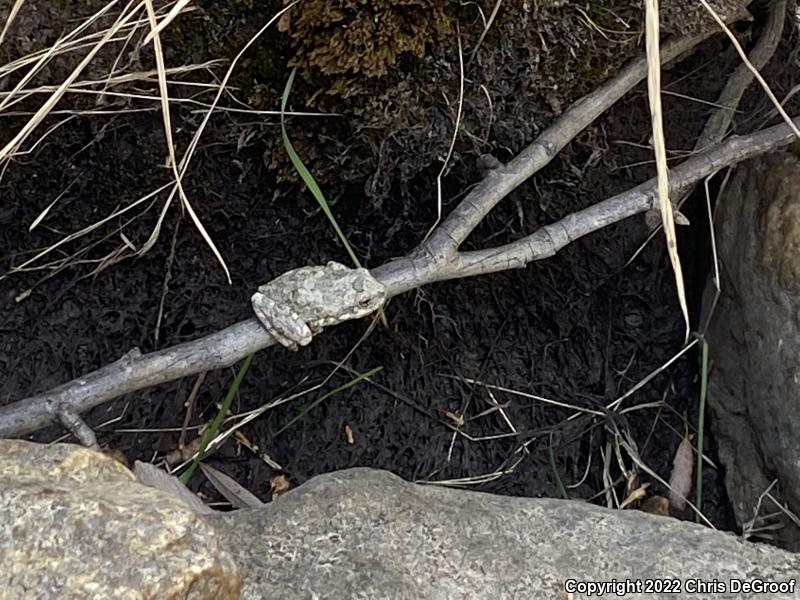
[[535, 60], [366, 37]]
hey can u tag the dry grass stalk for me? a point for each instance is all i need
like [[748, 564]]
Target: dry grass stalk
[[11, 16], [659, 146], [184, 163], [455, 135], [487, 26], [162, 85], [787, 119], [177, 9], [48, 105], [133, 16]]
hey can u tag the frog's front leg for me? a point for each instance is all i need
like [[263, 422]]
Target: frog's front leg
[[283, 323]]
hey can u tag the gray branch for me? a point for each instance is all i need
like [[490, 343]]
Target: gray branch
[[551, 238], [436, 260], [720, 120], [224, 348], [502, 181]]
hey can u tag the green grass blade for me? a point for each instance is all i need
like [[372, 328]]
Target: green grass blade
[[218, 418], [327, 395], [551, 455], [306, 176]]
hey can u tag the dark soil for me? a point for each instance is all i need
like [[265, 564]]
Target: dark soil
[[581, 328]]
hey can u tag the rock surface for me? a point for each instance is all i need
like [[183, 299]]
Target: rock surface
[[754, 340], [75, 524], [362, 533]]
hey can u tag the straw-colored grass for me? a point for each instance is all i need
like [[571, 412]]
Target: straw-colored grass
[[130, 26], [659, 147]]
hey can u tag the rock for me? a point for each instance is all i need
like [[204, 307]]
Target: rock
[[754, 340], [362, 533], [75, 524]]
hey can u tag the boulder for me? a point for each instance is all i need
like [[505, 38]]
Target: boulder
[[754, 344], [76, 524], [363, 533]]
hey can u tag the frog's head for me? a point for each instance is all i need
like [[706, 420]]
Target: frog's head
[[358, 292]]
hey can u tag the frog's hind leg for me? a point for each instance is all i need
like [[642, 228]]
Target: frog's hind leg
[[284, 324]]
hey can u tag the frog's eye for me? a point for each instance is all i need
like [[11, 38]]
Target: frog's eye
[[364, 302]]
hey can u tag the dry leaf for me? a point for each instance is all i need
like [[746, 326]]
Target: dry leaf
[[349, 435], [233, 492], [151, 475], [185, 453], [245, 441], [278, 485], [635, 495], [656, 505], [285, 21], [680, 481], [631, 482]]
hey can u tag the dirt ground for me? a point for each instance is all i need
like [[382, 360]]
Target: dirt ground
[[581, 328]]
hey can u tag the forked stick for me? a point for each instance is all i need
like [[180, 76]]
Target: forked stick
[[224, 348], [436, 260]]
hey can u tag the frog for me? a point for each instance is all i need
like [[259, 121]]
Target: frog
[[298, 304]]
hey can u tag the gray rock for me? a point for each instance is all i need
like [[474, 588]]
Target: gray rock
[[754, 341], [362, 533], [75, 524]]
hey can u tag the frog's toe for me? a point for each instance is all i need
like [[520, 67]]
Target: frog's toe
[[281, 322], [292, 332], [283, 340]]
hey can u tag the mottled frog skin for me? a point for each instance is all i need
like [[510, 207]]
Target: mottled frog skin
[[298, 304]]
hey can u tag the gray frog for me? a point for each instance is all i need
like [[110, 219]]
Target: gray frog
[[298, 304]]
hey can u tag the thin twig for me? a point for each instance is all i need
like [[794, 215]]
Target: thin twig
[[456, 127], [419, 269], [728, 101], [488, 26]]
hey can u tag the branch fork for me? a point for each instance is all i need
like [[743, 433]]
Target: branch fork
[[436, 259]]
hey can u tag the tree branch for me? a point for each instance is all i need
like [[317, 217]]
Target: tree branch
[[135, 371], [551, 238], [718, 123], [435, 260], [503, 180]]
